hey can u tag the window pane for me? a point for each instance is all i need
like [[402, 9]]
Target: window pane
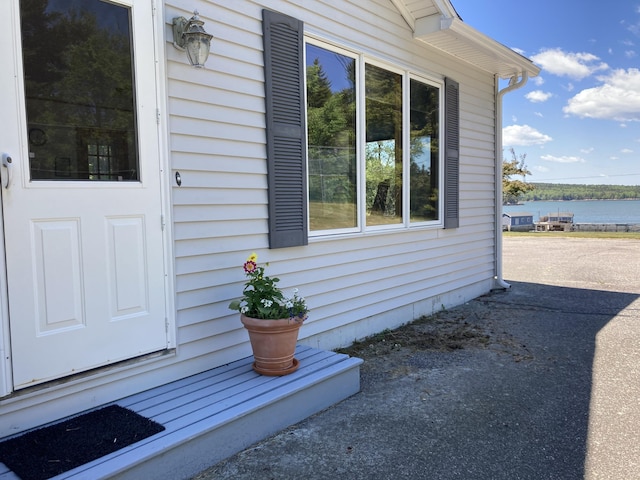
[[423, 173], [79, 90], [384, 146], [331, 123]]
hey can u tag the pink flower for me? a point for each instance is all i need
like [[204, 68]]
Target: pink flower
[[250, 266]]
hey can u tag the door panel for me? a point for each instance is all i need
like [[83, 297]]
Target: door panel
[[82, 212], [129, 290], [58, 275]]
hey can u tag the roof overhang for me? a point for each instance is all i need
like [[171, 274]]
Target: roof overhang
[[443, 29]]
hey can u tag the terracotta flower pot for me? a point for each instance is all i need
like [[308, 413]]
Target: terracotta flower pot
[[273, 343]]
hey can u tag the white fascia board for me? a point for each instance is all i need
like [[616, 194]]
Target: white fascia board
[[445, 7], [401, 5], [429, 29]]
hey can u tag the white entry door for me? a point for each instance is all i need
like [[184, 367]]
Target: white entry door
[[81, 195]]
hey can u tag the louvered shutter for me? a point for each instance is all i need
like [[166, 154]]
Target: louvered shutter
[[286, 130], [451, 154]]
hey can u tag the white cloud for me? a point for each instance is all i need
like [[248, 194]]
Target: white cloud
[[538, 81], [523, 135], [563, 159], [538, 96], [618, 98], [630, 53], [540, 168], [538, 114], [586, 150], [626, 150], [568, 64]]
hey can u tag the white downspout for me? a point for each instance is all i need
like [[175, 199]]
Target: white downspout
[[514, 84]]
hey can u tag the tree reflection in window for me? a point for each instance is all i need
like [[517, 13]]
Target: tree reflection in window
[[78, 72], [331, 123]]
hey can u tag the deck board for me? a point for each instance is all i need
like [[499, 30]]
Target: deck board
[[212, 415]]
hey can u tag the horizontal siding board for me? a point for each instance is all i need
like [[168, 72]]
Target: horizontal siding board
[[226, 158], [209, 196], [193, 127], [223, 181], [219, 212], [202, 145], [247, 112]]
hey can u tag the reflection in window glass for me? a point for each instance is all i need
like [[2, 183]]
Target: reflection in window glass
[[424, 155], [331, 124], [394, 181], [383, 149], [79, 92]]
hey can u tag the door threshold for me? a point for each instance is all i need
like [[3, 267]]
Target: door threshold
[[76, 377]]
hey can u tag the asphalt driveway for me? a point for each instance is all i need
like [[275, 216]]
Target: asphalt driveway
[[541, 381]]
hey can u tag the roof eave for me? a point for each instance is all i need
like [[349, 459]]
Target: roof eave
[[451, 35]]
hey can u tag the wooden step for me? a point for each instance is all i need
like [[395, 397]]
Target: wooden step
[[213, 415]]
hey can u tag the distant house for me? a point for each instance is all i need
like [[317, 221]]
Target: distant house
[[517, 221], [352, 145], [560, 217], [561, 221]]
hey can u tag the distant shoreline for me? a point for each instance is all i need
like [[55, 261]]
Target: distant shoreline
[[572, 200], [605, 235]]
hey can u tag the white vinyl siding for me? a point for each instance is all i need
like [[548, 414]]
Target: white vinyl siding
[[355, 286], [220, 211]]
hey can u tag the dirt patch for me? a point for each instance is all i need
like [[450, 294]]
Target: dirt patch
[[426, 333], [464, 327]]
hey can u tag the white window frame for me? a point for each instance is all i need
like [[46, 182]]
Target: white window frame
[[407, 74]]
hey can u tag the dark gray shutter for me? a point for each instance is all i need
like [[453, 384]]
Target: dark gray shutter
[[451, 153], [286, 130]]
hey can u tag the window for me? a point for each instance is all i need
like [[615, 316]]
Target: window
[[383, 147], [424, 154], [331, 139], [397, 169], [372, 148], [80, 102]]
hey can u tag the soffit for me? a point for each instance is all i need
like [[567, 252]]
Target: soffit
[[436, 23]]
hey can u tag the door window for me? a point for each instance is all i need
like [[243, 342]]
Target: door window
[[80, 102]]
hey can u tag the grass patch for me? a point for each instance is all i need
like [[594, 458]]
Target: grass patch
[[627, 235]]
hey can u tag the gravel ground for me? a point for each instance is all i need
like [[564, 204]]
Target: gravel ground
[[537, 382]]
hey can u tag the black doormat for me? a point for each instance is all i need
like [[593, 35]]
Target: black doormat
[[49, 451]]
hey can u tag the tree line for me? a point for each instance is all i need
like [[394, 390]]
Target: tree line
[[561, 191], [516, 189]]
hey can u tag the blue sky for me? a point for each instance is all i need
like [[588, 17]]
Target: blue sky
[[579, 120]]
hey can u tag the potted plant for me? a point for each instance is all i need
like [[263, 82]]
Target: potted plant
[[272, 320]]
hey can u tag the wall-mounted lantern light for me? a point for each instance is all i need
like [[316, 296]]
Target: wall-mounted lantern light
[[189, 36]]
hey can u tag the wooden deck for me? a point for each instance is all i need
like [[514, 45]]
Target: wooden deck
[[213, 415]]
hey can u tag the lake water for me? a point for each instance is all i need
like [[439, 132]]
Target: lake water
[[584, 211]]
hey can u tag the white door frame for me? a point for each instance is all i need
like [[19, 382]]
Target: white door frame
[[10, 39]]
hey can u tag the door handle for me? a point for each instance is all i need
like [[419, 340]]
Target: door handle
[[7, 163]]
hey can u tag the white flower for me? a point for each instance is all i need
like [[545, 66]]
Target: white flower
[[289, 304], [266, 303], [244, 309]]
